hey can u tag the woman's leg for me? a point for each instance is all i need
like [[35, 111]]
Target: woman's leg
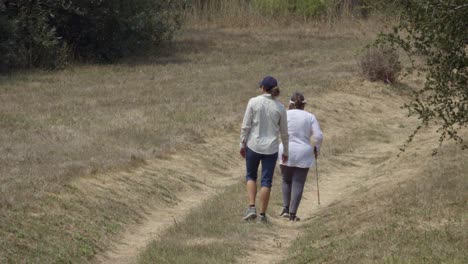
[[298, 181], [252, 161], [286, 172], [268, 169]]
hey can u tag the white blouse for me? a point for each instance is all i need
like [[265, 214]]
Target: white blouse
[[302, 125]]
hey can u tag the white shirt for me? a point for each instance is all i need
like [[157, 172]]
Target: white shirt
[[264, 120], [302, 125]]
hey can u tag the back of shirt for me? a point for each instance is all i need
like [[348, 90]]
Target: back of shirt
[[264, 121], [302, 125]]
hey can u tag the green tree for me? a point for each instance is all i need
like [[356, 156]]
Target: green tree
[[437, 32], [42, 33]]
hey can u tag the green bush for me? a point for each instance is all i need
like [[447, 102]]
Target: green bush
[[307, 8], [27, 39], [7, 40], [273, 7], [114, 28], [311, 8], [36, 33]]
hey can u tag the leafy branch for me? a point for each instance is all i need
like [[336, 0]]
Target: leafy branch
[[437, 32]]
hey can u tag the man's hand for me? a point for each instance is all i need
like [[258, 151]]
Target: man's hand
[[316, 153], [285, 158], [242, 152]]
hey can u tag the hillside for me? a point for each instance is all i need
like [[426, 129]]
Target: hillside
[[97, 161]]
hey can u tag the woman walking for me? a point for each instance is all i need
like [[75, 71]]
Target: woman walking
[[264, 120], [302, 125]]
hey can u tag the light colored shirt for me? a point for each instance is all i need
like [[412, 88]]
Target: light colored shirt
[[264, 120], [302, 125]]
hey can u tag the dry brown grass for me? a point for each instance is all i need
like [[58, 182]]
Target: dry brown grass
[[84, 151], [410, 210], [88, 120], [374, 203]]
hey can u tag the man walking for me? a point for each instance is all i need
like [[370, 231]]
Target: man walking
[[264, 120]]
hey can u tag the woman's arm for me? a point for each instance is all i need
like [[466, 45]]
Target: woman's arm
[[317, 134], [284, 134], [246, 125]]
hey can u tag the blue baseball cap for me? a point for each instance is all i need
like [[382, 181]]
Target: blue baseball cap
[[269, 83]]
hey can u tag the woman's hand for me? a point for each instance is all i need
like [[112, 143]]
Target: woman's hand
[[242, 152], [316, 153], [285, 158]]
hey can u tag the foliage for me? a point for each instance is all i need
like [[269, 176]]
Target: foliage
[[43, 32], [380, 64], [310, 8], [27, 38], [306, 8], [436, 31], [114, 28]]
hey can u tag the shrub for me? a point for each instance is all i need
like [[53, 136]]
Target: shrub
[[27, 39], [311, 8], [273, 7], [110, 29], [380, 64], [306, 8], [37, 33], [7, 39]]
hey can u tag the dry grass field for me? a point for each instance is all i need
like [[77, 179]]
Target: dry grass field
[[90, 150]]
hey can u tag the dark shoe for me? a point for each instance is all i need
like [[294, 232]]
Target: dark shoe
[[262, 219], [250, 214], [294, 218], [285, 213]]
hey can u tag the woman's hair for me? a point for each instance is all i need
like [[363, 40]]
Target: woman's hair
[[275, 91], [297, 101]]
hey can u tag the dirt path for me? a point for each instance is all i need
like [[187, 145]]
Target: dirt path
[[135, 239], [335, 185], [158, 218], [340, 175], [271, 245]]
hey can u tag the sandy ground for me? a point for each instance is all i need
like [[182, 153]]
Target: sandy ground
[[137, 236], [340, 175]]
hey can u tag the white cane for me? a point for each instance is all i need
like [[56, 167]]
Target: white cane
[[317, 176]]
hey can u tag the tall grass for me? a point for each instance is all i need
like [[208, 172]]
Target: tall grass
[[261, 12]]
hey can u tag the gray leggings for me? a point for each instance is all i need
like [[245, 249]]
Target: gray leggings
[[293, 185]]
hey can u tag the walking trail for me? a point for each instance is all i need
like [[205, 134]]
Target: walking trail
[[340, 175], [335, 185], [158, 218]]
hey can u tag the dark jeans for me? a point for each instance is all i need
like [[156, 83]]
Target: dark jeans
[[293, 185], [253, 159]]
